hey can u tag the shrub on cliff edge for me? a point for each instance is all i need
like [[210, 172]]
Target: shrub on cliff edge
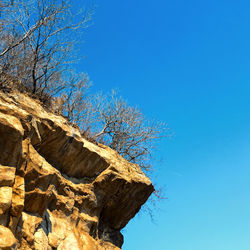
[[36, 50]]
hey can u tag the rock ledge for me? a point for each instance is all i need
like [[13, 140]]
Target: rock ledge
[[58, 190]]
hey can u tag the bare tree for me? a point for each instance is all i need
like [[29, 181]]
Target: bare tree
[[76, 103], [126, 130], [36, 48], [108, 119], [37, 35]]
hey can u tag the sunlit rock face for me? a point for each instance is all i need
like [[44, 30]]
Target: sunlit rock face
[[58, 190]]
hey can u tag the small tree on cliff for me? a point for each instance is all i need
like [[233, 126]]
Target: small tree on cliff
[[36, 42], [126, 130], [36, 48], [109, 119]]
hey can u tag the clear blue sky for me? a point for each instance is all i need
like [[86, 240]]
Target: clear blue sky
[[186, 63]]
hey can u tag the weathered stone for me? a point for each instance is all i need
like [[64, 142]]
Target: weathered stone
[[5, 199], [89, 243], [7, 239], [28, 225], [70, 242], [41, 240], [60, 190], [7, 175], [11, 133], [86, 223], [4, 218], [59, 229], [13, 221], [18, 194]]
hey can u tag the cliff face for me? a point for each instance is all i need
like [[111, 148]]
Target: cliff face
[[58, 190]]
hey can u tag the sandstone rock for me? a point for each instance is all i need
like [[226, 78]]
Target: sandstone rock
[[7, 176], [59, 190], [59, 229], [11, 133], [28, 225], [7, 239], [70, 242], [41, 240], [18, 194], [5, 199], [4, 218]]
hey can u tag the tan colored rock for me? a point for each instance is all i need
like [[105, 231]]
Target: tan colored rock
[[41, 240], [28, 225], [70, 242], [59, 228], [7, 176], [12, 223], [5, 199], [60, 190], [11, 133], [89, 243], [17, 205], [86, 222], [18, 194], [7, 239]]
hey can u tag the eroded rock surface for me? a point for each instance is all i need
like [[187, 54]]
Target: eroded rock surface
[[58, 190]]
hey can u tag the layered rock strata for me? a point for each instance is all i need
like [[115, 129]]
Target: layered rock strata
[[58, 190]]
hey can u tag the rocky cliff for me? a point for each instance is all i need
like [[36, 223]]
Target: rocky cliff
[[58, 190]]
